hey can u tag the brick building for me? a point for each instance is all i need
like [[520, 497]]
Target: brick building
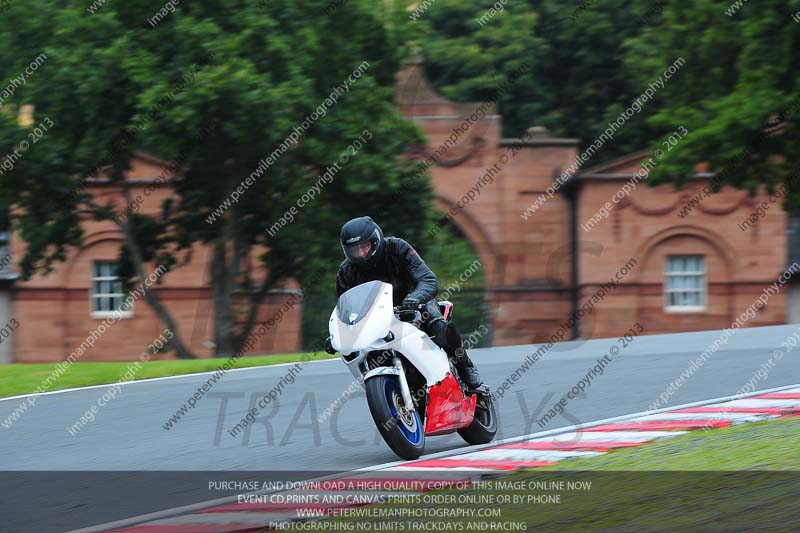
[[56, 313], [681, 268], [646, 258]]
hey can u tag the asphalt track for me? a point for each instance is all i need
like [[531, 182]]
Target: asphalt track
[[128, 433]]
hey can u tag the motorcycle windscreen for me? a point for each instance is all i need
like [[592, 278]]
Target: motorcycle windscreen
[[363, 315], [354, 304]]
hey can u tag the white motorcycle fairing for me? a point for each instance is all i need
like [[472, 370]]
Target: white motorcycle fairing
[[369, 329], [364, 321]]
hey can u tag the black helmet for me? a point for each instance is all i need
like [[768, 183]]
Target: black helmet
[[362, 240]]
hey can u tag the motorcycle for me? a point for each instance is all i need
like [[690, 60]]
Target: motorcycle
[[412, 388]]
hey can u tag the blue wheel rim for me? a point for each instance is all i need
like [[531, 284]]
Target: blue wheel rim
[[412, 435]]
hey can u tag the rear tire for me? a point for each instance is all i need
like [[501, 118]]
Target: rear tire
[[484, 424], [403, 432]]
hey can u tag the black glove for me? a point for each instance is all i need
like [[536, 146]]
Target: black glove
[[410, 304], [329, 346]]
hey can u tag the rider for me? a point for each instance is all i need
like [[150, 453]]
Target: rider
[[371, 256]]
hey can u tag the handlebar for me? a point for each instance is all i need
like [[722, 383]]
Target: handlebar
[[413, 316]]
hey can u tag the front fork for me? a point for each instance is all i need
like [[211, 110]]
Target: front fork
[[404, 390]]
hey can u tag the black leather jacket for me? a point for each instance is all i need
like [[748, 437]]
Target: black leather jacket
[[400, 265]]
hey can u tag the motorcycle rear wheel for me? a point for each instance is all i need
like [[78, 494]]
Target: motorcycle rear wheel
[[402, 430], [484, 424]]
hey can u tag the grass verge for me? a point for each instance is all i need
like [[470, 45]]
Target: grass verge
[[23, 378], [737, 478]]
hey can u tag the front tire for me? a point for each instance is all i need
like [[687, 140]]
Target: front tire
[[401, 430], [484, 423]]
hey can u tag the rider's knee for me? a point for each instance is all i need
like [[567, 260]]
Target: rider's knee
[[452, 335], [437, 330]]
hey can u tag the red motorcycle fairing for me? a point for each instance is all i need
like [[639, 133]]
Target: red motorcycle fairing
[[448, 409]]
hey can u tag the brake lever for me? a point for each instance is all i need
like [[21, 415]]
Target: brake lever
[[417, 320]]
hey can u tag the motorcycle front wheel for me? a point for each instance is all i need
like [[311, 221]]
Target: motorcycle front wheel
[[400, 428]]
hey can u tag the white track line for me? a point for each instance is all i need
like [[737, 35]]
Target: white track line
[[472, 469], [514, 454], [610, 436], [710, 417], [146, 380], [127, 522], [245, 518], [759, 403], [797, 389], [578, 427]]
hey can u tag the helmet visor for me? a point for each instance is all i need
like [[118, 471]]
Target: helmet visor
[[359, 251]]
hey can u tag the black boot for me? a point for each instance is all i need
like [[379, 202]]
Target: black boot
[[467, 370]]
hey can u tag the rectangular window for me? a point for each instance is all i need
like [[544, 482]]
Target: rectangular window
[[685, 283], [107, 293]]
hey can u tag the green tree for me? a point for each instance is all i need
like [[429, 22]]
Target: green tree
[[587, 75], [468, 57], [578, 81], [590, 60], [741, 80], [215, 87]]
